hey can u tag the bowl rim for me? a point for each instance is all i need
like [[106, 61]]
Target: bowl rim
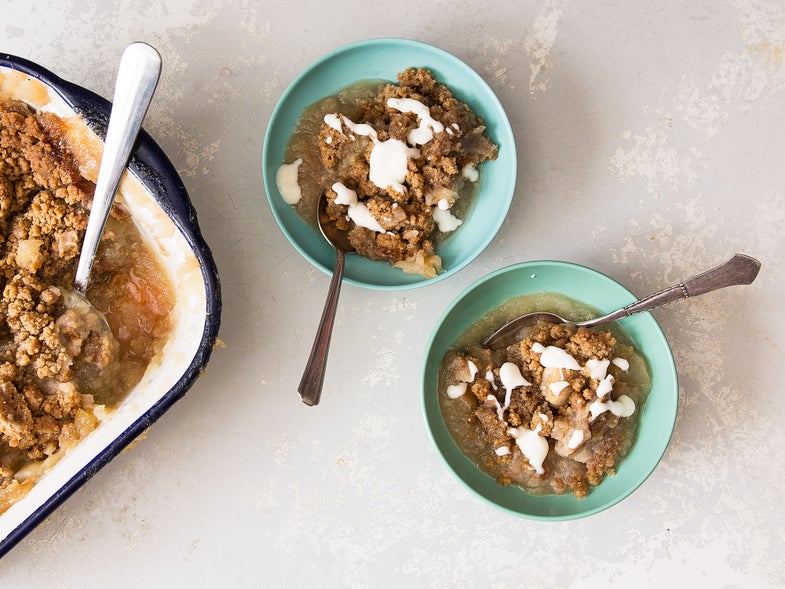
[[667, 426], [509, 142], [155, 171]]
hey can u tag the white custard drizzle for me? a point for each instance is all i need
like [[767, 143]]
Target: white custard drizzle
[[334, 121], [558, 386], [470, 173], [456, 390], [389, 159], [286, 180], [445, 219], [337, 122], [532, 445], [622, 364], [427, 124], [553, 357], [605, 386], [490, 378], [389, 162], [621, 407], [511, 378], [576, 439], [492, 401], [362, 129], [502, 451], [358, 212], [473, 370], [597, 368]]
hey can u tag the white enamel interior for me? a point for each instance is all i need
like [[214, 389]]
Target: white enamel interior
[[188, 317]]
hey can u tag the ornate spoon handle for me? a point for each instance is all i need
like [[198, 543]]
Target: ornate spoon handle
[[310, 387], [740, 269]]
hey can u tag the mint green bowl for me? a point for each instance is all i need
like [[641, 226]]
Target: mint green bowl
[[596, 290], [383, 59]]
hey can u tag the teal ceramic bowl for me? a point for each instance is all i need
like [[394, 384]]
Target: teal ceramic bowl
[[383, 59], [596, 290]]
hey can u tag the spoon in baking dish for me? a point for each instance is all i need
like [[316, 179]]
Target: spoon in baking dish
[[310, 387], [740, 269], [137, 77]]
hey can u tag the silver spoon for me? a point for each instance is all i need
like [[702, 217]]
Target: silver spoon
[[137, 77], [310, 387], [740, 269]]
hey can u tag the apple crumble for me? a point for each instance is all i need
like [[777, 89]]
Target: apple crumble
[[60, 371], [554, 412], [398, 163]]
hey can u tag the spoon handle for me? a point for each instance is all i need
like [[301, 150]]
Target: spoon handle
[[310, 387], [137, 77], [740, 269]]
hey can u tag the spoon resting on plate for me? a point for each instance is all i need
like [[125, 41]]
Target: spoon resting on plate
[[740, 269], [310, 387]]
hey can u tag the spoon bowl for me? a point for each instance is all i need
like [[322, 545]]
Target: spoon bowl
[[740, 269], [310, 387]]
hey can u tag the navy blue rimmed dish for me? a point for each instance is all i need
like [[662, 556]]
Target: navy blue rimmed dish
[[159, 204]]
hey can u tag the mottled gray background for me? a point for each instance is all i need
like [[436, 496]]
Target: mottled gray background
[[651, 146]]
